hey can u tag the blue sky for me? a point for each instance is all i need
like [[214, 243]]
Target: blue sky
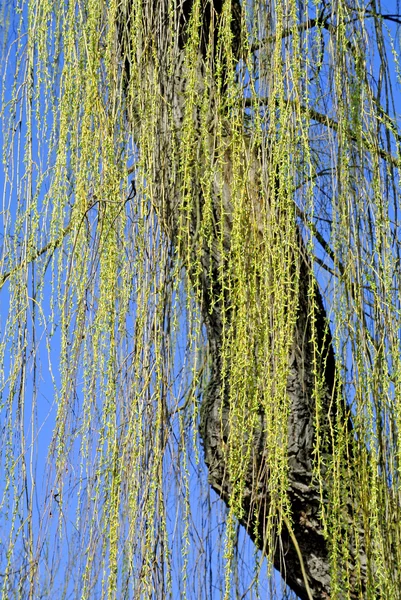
[[33, 407], [34, 410]]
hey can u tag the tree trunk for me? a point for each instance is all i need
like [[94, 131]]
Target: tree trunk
[[167, 189]]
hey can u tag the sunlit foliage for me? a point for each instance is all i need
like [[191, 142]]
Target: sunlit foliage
[[117, 129]]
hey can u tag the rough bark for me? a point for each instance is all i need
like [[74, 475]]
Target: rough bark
[[303, 493]]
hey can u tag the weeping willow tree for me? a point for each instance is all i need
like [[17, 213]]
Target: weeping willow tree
[[200, 290]]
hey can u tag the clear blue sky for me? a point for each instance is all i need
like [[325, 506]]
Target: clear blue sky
[[38, 419], [34, 408]]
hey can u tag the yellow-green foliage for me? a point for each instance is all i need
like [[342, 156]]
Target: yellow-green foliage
[[103, 352]]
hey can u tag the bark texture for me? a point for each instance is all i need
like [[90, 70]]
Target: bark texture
[[303, 494]]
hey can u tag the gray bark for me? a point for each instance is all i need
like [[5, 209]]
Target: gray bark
[[303, 493]]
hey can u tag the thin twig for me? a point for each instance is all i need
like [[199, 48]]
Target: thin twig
[[51, 246], [298, 551], [332, 124]]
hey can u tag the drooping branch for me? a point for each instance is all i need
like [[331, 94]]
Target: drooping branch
[[332, 124], [182, 203]]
